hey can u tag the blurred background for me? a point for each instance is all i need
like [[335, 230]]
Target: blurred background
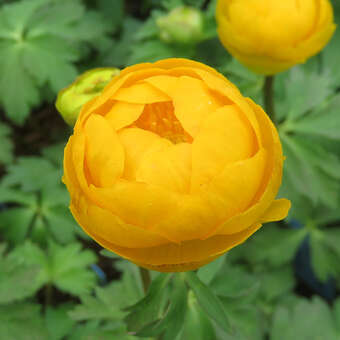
[[56, 283]]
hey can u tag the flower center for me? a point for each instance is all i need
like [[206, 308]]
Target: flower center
[[159, 118]]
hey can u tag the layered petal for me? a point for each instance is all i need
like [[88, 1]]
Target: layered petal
[[277, 211], [179, 257], [140, 93], [101, 222], [193, 103], [123, 114], [270, 185], [137, 142], [169, 168], [225, 136], [136, 203], [104, 153], [224, 88]]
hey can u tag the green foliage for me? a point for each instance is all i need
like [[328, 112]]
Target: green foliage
[[208, 301], [310, 320], [40, 42], [39, 201], [58, 323], [22, 321], [6, 151], [254, 290], [308, 110], [148, 309], [17, 280], [65, 267]]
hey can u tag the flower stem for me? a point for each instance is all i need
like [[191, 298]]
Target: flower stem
[[146, 278], [268, 97]]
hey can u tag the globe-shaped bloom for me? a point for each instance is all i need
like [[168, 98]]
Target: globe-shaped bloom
[[171, 166], [270, 36]]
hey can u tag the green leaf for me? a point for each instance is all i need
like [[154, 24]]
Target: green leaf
[[308, 320], [56, 18], [324, 122], [22, 321], [43, 215], [105, 305], [153, 50], [48, 59], [40, 41], [273, 245], [69, 271], [58, 323], [65, 267], [172, 322], [249, 83], [207, 273], [17, 97], [308, 173], [234, 282], [304, 91], [247, 321], [6, 150], [32, 173], [197, 325], [148, 309], [196, 3], [208, 301], [171, 4], [8, 195], [331, 51], [16, 222], [54, 153], [113, 11], [17, 280], [276, 283], [96, 331], [325, 255], [337, 314], [118, 52]]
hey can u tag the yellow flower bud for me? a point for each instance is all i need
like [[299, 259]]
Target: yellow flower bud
[[171, 166], [270, 36], [87, 86], [183, 25]]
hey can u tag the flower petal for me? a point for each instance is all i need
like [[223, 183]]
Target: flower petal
[[136, 203], [178, 257], [166, 84], [169, 168], [193, 103], [225, 88], [236, 186], [224, 137], [136, 143], [104, 152], [123, 114], [270, 187], [277, 211], [95, 220], [140, 93]]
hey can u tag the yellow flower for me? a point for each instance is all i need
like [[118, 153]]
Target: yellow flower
[[270, 36], [87, 86], [171, 166]]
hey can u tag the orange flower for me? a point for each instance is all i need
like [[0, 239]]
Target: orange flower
[[171, 166], [270, 36]]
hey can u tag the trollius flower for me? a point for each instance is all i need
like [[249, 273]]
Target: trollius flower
[[270, 36], [171, 166]]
